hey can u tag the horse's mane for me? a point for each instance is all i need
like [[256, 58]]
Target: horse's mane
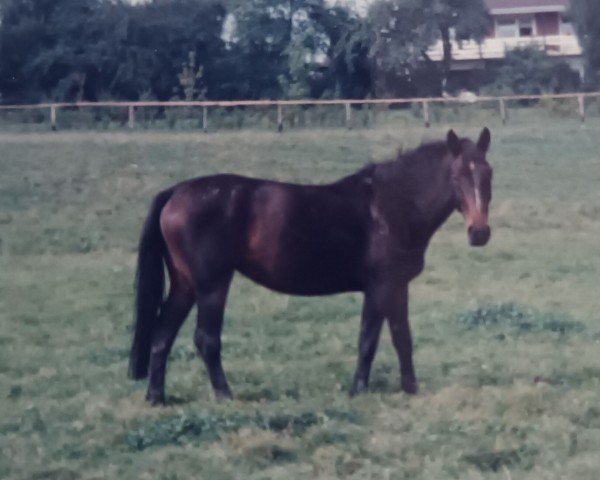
[[412, 161], [436, 149], [402, 165]]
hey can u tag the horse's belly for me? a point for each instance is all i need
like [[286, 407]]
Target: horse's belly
[[305, 275]]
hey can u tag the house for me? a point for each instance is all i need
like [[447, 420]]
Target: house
[[516, 24]]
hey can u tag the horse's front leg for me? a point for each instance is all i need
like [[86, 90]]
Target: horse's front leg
[[396, 311], [370, 330]]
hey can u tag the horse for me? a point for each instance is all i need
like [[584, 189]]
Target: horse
[[367, 232]]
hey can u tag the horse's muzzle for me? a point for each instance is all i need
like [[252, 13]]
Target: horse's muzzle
[[479, 236]]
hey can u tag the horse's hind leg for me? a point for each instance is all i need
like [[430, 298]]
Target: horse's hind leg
[[211, 308], [172, 315]]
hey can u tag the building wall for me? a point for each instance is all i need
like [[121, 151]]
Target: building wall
[[547, 24]]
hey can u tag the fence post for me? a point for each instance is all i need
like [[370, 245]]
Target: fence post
[[131, 117], [279, 118], [204, 119], [503, 111], [53, 117], [581, 101], [371, 114], [426, 113], [348, 116]]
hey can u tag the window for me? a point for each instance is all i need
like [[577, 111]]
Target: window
[[506, 29], [525, 28], [513, 28]]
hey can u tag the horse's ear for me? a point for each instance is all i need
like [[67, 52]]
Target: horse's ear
[[454, 143], [484, 140]]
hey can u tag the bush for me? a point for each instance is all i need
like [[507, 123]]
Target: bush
[[529, 71]]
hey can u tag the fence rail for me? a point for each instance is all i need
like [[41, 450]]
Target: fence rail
[[132, 107]]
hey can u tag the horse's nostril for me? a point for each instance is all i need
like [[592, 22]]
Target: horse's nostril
[[479, 236]]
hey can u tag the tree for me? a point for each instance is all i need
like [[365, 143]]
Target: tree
[[88, 49], [403, 30], [155, 40], [585, 15], [295, 48], [32, 59], [258, 45], [69, 50], [348, 72], [529, 71]]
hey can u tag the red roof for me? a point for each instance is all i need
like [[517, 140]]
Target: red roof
[[560, 5]]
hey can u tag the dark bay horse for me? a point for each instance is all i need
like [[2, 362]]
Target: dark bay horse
[[367, 232]]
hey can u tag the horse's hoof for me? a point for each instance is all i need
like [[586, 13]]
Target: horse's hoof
[[358, 388], [409, 386], [223, 395], [156, 399]]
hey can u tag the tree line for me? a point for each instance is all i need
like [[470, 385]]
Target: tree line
[[67, 50]]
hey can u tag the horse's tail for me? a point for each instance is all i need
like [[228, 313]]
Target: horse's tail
[[150, 285]]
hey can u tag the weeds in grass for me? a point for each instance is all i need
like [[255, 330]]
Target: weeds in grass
[[521, 458], [511, 317], [203, 427]]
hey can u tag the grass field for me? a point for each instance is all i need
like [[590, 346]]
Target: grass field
[[507, 338]]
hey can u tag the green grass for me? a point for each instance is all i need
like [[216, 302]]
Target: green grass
[[506, 338]]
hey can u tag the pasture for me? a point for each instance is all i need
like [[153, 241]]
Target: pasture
[[507, 338]]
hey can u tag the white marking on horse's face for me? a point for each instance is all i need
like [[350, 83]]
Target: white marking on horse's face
[[478, 202], [477, 199]]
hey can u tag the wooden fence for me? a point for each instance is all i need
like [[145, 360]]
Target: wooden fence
[[131, 107]]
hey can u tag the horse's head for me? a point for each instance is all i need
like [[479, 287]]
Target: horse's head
[[472, 183]]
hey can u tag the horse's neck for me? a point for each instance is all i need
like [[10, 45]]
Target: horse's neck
[[417, 200]]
